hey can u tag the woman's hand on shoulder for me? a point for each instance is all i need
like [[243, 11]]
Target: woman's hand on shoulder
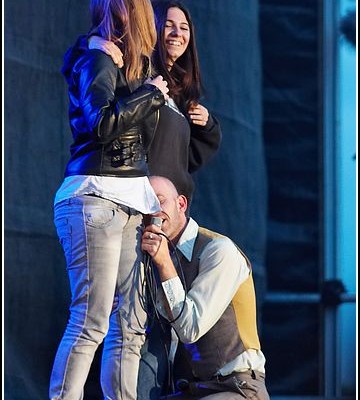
[[199, 115], [107, 47]]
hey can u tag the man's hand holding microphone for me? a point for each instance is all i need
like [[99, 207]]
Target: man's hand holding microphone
[[154, 242]]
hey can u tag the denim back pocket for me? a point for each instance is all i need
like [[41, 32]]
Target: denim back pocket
[[99, 217]]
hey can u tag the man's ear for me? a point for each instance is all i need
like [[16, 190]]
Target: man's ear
[[183, 204]]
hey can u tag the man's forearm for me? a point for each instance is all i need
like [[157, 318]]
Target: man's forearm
[[166, 268]]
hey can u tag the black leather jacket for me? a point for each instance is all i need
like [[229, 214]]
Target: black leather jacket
[[112, 126]]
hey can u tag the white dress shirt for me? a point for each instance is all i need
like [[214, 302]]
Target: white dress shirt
[[222, 269]]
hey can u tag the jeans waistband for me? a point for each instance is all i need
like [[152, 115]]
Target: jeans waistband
[[81, 200]]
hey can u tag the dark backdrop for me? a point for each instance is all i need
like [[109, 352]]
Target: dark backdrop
[[260, 67], [231, 191]]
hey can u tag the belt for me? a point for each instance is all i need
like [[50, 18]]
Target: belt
[[235, 382], [250, 372]]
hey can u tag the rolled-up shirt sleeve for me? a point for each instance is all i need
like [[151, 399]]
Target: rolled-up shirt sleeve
[[222, 269]]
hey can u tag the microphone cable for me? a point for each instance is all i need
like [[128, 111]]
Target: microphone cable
[[151, 290]]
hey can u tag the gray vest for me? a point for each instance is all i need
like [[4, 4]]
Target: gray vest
[[222, 343]]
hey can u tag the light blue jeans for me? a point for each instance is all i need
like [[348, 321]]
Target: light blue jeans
[[101, 242]]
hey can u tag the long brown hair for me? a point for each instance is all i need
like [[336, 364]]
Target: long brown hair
[[130, 24], [183, 79]]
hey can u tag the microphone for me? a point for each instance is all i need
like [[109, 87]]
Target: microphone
[[153, 221], [156, 221]]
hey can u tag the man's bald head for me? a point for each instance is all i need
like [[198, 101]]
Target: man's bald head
[[173, 206], [162, 184]]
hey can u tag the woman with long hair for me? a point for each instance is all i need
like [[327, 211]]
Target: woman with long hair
[[98, 208], [187, 136], [176, 54]]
